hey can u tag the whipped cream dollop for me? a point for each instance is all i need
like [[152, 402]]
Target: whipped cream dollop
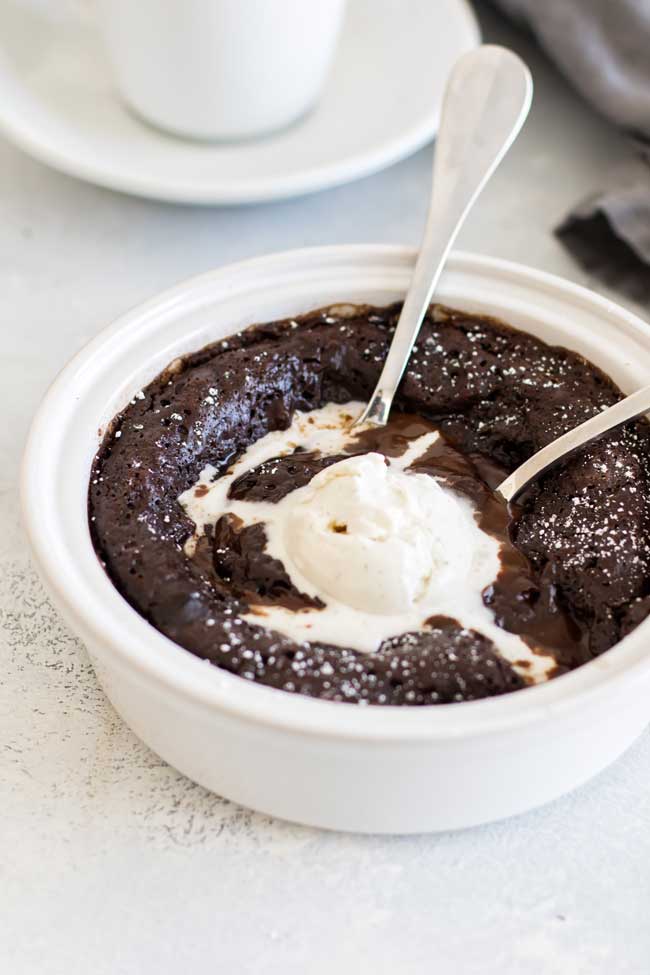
[[385, 548], [378, 539]]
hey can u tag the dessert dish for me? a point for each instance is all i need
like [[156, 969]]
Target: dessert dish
[[235, 510], [373, 769]]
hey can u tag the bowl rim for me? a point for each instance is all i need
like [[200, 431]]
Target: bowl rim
[[112, 628]]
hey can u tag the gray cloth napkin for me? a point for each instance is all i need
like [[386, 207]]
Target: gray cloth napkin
[[603, 48]]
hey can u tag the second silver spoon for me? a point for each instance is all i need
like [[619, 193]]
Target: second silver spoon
[[634, 405]]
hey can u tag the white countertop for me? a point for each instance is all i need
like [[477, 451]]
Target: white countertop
[[112, 862]]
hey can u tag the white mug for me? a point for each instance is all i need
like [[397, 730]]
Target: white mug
[[220, 69]]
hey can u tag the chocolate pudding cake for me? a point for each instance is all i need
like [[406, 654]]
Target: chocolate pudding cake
[[235, 508]]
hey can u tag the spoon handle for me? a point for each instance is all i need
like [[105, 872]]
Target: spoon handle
[[486, 101], [627, 409]]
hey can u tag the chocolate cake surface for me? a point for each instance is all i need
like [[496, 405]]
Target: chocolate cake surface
[[575, 567]]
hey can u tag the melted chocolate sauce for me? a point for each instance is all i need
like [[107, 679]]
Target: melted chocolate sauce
[[391, 440], [240, 561]]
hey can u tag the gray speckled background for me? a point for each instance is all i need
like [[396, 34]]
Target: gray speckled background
[[112, 862]]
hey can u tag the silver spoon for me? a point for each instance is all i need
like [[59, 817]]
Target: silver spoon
[[614, 416], [486, 102]]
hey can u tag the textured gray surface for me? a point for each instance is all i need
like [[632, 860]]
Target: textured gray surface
[[110, 861]]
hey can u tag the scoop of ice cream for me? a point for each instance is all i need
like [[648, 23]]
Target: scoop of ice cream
[[375, 537]]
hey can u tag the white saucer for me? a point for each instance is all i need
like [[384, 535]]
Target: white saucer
[[382, 102]]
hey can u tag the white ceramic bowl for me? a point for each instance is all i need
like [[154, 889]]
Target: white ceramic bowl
[[378, 769]]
